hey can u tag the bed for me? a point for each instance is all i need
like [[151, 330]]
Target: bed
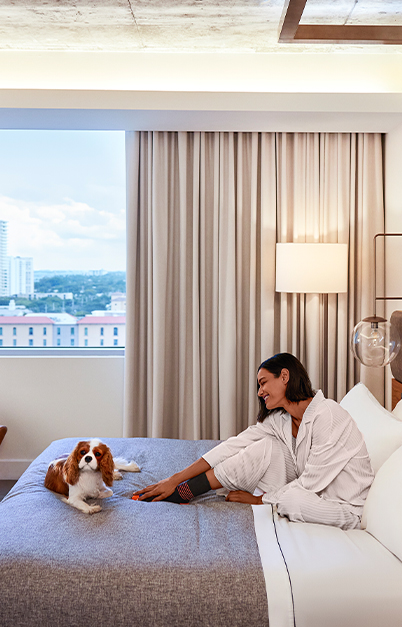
[[208, 563]]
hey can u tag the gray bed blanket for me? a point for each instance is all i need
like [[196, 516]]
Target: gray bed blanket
[[132, 564]]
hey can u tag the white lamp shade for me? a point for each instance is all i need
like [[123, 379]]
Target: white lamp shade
[[312, 268]]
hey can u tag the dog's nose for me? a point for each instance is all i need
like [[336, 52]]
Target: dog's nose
[[88, 459]]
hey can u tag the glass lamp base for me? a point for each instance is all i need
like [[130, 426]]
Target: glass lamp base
[[375, 342]]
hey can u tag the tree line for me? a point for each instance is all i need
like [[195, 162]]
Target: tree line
[[90, 292]]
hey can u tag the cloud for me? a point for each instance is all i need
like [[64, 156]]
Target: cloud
[[70, 235]]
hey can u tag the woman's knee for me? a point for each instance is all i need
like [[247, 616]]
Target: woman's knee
[[292, 503]]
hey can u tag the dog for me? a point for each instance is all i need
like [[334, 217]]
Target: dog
[[88, 472]]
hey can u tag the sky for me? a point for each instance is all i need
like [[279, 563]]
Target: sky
[[63, 196]]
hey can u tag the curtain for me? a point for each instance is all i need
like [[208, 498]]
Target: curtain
[[204, 211]]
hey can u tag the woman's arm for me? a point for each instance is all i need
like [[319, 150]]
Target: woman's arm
[[166, 487]]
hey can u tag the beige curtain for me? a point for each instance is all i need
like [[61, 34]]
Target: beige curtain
[[204, 213]]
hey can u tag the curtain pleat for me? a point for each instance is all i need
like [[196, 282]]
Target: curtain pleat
[[204, 213]]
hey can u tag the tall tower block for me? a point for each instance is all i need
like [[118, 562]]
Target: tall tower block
[[3, 259]]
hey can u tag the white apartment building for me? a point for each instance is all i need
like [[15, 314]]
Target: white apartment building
[[3, 259], [108, 331], [22, 331], [20, 276], [62, 330], [65, 329]]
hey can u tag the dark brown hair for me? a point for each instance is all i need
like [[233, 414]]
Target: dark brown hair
[[299, 384]]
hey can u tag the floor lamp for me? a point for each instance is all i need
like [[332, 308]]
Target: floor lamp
[[315, 268], [312, 268]]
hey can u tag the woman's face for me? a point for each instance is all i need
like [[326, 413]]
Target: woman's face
[[272, 389]]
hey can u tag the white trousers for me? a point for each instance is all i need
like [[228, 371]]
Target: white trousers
[[268, 465]]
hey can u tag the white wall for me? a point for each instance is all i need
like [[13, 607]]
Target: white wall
[[47, 398], [201, 91]]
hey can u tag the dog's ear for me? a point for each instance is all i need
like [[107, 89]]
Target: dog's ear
[[107, 466], [71, 471]]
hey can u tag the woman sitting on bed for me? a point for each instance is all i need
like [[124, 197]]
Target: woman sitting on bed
[[305, 455]]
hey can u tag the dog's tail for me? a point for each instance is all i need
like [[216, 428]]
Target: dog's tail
[[123, 464]]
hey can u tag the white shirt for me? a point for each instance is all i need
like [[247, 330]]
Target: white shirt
[[330, 455]]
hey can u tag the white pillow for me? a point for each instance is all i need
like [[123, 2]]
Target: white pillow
[[382, 512], [397, 411], [381, 431]]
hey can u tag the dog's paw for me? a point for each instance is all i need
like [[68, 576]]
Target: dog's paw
[[117, 475], [132, 467], [93, 509], [123, 464], [105, 493]]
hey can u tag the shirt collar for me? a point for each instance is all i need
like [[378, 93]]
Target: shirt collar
[[311, 409]]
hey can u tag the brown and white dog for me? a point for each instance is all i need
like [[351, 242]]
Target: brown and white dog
[[88, 472]]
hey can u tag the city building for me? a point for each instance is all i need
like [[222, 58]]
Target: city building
[[64, 331], [3, 259], [12, 309], [22, 331], [106, 331], [118, 302], [20, 276]]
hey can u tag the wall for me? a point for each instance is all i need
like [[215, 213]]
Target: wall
[[341, 92], [47, 398]]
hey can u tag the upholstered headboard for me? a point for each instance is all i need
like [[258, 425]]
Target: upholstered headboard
[[396, 364]]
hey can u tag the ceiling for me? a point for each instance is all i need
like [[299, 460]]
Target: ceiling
[[198, 65], [183, 25]]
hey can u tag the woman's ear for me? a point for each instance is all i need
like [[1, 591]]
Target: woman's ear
[[285, 375]]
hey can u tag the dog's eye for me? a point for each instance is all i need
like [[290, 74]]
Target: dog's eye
[[97, 454], [82, 452]]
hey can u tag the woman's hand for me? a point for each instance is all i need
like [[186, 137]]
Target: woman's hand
[[238, 496], [166, 487], [158, 491]]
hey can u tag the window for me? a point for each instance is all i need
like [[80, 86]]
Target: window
[[72, 343], [115, 342], [30, 342], [44, 342], [78, 271], [115, 331], [101, 342], [101, 330], [86, 342], [1, 330], [14, 342], [1, 342]]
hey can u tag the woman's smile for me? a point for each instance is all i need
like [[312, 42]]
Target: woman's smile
[[271, 389]]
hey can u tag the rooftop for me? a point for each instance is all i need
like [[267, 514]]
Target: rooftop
[[103, 320], [25, 320]]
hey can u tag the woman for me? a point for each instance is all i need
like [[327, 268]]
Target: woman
[[305, 455]]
